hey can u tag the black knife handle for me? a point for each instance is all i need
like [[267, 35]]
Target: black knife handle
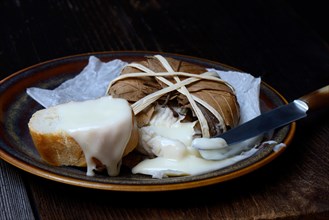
[[317, 99]]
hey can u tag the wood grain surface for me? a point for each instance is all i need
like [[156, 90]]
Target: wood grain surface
[[264, 38]]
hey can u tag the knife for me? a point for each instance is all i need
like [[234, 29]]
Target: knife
[[278, 117]]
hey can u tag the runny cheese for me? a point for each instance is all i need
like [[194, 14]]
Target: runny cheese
[[166, 136], [102, 128], [176, 152]]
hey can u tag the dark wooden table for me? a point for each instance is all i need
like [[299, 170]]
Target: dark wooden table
[[264, 38]]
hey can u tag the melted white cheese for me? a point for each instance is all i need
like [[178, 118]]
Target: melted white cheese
[[160, 167], [101, 127], [175, 151], [178, 154], [167, 136]]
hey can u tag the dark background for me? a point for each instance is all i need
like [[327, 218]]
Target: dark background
[[283, 41], [314, 14], [44, 30]]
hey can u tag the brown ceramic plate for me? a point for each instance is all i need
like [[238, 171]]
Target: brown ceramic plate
[[16, 146]]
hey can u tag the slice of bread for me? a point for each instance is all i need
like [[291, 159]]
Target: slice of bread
[[91, 133]]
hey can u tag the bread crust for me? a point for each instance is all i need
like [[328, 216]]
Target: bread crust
[[58, 149]]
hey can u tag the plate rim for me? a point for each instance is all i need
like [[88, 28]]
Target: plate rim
[[30, 168]]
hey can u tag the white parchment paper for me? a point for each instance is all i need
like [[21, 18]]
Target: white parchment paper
[[91, 83]]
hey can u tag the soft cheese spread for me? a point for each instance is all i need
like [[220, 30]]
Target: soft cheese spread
[[102, 128], [175, 150]]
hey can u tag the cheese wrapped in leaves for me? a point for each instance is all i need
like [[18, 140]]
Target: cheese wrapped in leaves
[[204, 96]]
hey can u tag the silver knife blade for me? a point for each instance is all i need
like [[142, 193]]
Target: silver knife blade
[[266, 122]]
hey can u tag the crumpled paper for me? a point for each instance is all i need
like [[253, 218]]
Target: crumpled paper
[[90, 83]]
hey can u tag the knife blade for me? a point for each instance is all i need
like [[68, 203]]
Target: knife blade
[[278, 117]]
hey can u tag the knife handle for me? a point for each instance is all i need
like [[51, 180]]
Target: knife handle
[[317, 99]]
